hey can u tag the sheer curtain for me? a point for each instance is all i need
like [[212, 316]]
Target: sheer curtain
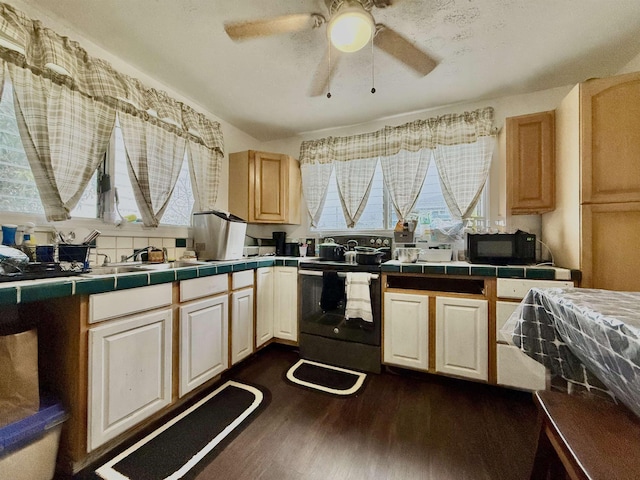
[[204, 168], [205, 158], [404, 175], [463, 171], [154, 159], [65, 136], [315, 169], [354, 185]]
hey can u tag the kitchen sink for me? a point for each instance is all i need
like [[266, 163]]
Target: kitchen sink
[[170, 265], [114, 269]]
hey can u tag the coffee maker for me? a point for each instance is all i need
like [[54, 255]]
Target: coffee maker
[[280, 239]]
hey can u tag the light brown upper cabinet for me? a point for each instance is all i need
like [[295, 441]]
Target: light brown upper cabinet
[[264, 187], [610, 131], [531, 163], [596, 224]]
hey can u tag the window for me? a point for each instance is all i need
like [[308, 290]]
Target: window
[[18, 191], [379, 213], [19, 194], [372, 218]]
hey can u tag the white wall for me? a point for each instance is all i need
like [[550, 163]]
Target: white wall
[[632, 66]]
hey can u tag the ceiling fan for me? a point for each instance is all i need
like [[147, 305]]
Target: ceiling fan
[[350, 26]]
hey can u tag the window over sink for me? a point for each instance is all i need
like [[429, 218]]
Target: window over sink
[[19, 194]]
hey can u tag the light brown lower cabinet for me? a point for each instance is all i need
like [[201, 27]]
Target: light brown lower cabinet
[[610, 235]]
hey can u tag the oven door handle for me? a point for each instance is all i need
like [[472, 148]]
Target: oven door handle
[[310, 272], [374, 276]]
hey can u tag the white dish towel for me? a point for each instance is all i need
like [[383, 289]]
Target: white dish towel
[[358, 297]]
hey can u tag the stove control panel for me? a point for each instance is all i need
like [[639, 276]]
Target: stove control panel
[[353, 241]]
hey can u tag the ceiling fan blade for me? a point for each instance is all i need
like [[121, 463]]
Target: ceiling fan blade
[[324, 72], [272, 26], [396, 45]]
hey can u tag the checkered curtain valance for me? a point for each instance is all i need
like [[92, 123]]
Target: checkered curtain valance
[[27, 44], [404, 152]]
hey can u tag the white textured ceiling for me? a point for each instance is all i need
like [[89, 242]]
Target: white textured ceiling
[[484, 49]]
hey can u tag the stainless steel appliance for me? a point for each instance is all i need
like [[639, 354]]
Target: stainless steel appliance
[[502, 248], [326, 335], [218, 235]]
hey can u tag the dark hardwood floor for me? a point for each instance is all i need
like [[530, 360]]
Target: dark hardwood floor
[[404, 425]]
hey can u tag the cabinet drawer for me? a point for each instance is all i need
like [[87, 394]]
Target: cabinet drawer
[[516, 369], [203, 287], [103, 306], [241, 279], [518, 288]]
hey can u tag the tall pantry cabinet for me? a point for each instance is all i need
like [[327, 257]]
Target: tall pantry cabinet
[[596, 224]]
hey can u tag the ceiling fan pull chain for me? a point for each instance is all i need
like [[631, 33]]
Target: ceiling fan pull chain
[[373, 80], [329, 81]]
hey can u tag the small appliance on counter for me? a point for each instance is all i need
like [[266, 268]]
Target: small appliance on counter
[[502, 248], [280, 238], [218, 235], [404, 231]]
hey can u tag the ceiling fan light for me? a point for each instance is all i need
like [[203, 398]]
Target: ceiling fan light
[[351, 29]]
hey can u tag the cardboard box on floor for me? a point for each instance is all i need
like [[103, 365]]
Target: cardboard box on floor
[[19, 392]]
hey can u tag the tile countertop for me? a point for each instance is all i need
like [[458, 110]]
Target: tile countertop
[[12, 293], [532, 272], [24, 291]]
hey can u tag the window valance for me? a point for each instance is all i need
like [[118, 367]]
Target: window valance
[[461, 144], [450, 129], [28, 44]]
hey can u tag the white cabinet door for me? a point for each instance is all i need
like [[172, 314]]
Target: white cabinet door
[[406, 330], [286, 303], [518, 370], [241, 324], [462, 337], [204, 340], [264, 305], [129, 373]]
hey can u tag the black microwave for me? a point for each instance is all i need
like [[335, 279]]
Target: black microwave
[[502, 248]]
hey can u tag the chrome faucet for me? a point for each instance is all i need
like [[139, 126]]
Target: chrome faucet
[[107, 259], [136, 253]]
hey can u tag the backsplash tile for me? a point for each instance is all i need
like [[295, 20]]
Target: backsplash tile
[[117, 247], [124, 243], [140, 242]]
